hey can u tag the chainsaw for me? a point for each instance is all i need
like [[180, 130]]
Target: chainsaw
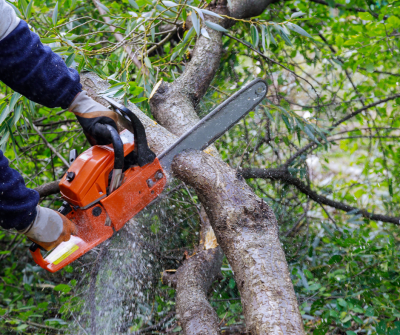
[[107, 185]]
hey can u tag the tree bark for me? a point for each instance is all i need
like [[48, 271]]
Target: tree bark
[[192, 281], [246, 229]]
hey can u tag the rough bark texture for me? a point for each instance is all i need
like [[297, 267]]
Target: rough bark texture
[[240, 9], [192, 281], [246, 229]]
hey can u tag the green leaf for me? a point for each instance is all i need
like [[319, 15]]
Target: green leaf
[[204, 32], [148, 62], [28, 10], [102, 6], [310, 133], [215, 26], [199, 11], [287, 123], [308, 274], [263, 37], [169, 3], [254, 35], [70, 60], [370, 67], [174, 55], [208, 12], [188, 35], [370, 312], [17, 114], [134, 4], [14, 99], [232, 283], [342, 302], [357, 319], [196, 22], [22, 327], [137, 100], [298, 29], [55, 14], [62, 288], [297, 14], [184, 14], [335, 259], [23, 5], [46, 40], [366, 16]]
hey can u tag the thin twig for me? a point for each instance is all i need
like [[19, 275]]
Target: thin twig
[[48, 144], [272, 61]]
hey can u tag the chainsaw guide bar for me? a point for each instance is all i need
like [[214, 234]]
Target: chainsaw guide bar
[[101, 194]]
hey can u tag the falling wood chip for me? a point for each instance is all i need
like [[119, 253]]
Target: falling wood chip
[[211, 240], [155, 89]]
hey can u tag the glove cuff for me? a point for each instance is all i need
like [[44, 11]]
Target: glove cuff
[[84, 104], [47, 226]]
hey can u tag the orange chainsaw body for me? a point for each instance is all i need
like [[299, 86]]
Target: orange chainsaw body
[[96, 214]]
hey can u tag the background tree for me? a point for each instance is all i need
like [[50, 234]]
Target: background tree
[[320, 152]]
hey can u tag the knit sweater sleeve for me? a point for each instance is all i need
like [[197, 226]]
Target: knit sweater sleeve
[[35, 71], [17, 203]]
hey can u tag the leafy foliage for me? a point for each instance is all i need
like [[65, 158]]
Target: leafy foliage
[[324, 65]]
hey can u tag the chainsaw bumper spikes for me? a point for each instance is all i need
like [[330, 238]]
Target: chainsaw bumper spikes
[[99, 205]]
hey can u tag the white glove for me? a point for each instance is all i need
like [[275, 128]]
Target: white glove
[[49, 228]]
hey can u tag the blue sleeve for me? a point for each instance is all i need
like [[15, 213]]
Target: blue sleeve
[[35, 71], [17, 203]]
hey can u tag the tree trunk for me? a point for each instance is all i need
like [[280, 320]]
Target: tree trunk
[[247, 230]]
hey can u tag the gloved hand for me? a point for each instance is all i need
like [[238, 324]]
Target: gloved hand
[[93, 117], [49, 228]]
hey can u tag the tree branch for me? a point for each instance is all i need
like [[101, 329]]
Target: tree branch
[[271, 60], [246, 229], [283, 175], [352, 9], [118, 36]]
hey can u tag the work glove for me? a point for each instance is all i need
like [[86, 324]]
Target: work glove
[[49, 228], [94, 118]]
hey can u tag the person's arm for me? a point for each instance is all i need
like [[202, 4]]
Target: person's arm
[[35, 71], [32, 69], [17, 203], [19, 209]]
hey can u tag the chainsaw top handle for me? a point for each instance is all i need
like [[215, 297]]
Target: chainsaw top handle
[[143, 154]]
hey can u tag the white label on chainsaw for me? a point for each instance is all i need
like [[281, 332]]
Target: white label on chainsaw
[[64, 249], [126, 137]]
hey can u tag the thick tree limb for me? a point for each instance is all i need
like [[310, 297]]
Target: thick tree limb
[[284, 176], [48, 189], [173, 105], [240, 9], [194, 279], [246, 229]]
